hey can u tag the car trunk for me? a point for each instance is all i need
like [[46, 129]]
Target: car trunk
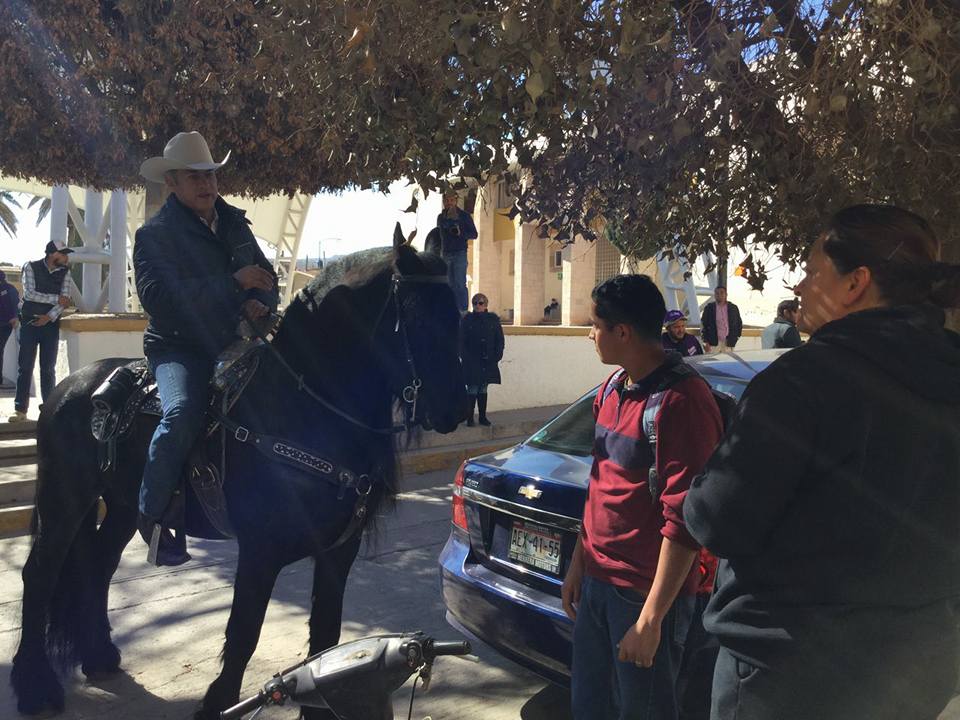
[[523, 509]]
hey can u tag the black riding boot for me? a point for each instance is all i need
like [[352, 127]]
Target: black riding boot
[[165, 547], [482, 407], [471, 402]]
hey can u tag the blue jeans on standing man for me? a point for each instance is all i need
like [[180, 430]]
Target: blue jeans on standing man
[[602, 687], [457, 276], [46, 338], [183, 379]]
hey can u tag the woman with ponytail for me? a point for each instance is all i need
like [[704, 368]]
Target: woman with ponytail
[[839, 587]]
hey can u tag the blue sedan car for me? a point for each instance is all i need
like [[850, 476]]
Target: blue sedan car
[[516, 516]]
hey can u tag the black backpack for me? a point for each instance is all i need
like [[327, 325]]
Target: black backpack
[[726, 404]]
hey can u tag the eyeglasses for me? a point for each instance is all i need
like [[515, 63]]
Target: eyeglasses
[[480, 302]]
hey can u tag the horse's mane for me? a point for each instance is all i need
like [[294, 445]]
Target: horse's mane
[[357, 270], [354, 270]]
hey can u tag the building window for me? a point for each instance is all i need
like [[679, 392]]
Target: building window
[[556, 260], [608, 259]]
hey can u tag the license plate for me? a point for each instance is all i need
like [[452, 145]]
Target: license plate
[[535, 545]]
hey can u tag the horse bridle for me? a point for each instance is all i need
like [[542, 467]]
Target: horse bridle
[[410, 392]]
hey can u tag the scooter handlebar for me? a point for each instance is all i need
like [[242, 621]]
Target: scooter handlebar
[[447, 648], [244, 707]]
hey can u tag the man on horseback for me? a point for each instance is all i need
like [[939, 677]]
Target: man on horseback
[[198, 268]]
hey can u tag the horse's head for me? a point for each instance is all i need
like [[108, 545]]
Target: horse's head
[[427, 329]]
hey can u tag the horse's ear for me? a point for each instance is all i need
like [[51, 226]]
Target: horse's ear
[[398, 238]]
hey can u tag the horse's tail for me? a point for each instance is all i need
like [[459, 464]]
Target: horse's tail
[[72, 604]]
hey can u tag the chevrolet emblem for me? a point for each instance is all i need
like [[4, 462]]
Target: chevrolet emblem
[[530, 492]]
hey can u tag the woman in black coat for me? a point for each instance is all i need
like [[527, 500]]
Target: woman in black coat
[[481, 348], [832, 499]]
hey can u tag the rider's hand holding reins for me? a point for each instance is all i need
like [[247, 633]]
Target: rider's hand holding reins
[[254, 309], [254, 276]]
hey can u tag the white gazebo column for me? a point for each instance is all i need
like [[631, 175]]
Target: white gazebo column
[[118, 252], [59, 200], [528, 274], [579, 277], [92, 219], [484, 257]]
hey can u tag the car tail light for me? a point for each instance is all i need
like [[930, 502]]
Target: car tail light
[[459, 511]]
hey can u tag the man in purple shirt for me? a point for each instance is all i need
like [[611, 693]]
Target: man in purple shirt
[[9, 301], [676, 337]]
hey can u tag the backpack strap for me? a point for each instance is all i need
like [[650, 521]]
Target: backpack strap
[[648, 423], [613, 382]]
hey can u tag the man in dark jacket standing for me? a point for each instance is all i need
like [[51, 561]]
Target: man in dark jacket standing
[[9, 301], [783, 332], [456, 227], [720, 323], [198, 269]]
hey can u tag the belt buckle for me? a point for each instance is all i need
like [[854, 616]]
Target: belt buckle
[[241, 434]]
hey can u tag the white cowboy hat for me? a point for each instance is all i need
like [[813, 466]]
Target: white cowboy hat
[[185, 151]]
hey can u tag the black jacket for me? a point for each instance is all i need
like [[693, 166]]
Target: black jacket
[[454, 232], [837, 486], [481, 347], [185, 279], [708, 324]]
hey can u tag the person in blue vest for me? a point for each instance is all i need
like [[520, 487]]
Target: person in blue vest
[[47, 290], [198, 270], [9, 309], [456, 228]]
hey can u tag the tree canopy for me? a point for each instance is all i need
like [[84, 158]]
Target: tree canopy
[[702, 124]]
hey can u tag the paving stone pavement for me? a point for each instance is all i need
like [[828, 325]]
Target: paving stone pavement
[[169, 625]]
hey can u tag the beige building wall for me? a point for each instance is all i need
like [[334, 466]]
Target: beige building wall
[[552, 274], [483, 260], [579, 279], [529, 261]]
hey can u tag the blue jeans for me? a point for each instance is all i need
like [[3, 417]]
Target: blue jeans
[[602, 687], [183, 379], [457, 276], [32, 337]]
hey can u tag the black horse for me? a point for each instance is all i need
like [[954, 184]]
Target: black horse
[[372, 332]]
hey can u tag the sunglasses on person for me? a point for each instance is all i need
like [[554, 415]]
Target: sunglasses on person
[[478, 303]]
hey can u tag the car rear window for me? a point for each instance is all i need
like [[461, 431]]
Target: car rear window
[[729, 386], [571, 431]]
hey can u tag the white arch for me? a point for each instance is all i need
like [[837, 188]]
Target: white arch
[[278, 220]]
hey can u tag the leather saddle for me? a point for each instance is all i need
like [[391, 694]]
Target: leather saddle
[[199, 506]]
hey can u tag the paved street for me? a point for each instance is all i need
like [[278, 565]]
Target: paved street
[[169, 625]]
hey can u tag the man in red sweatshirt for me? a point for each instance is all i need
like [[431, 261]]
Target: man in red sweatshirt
[[632, 581]]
